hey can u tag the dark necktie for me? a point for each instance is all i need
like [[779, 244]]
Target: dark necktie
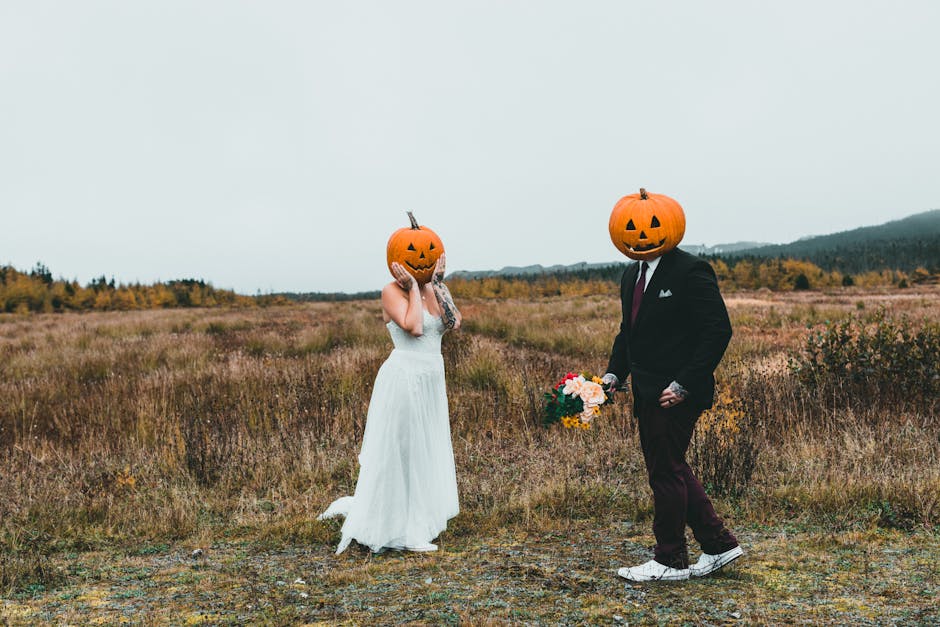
[[638, 292]]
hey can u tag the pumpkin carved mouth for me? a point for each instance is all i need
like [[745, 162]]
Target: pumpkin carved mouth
[[419, 268], [641, 248]]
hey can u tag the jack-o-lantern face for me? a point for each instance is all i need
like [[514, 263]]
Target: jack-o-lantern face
[[417, 248], [644, 226]]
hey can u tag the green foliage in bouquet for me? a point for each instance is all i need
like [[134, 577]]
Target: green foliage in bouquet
[[577, 409]]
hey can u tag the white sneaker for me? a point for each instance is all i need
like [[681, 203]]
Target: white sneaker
[[707, 564], [421, 548], [653, 571]]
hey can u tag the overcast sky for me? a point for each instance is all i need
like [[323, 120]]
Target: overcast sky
[[276, 145]]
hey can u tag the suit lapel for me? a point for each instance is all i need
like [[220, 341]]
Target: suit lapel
[[660, 277]]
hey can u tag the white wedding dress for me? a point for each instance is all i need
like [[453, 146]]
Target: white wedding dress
[[407, 487]]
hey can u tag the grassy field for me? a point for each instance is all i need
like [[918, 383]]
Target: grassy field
[[129, 440]]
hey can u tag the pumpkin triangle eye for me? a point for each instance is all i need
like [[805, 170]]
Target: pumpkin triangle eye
[[411, 246], [630, 226], [431, 247], [655, 223]]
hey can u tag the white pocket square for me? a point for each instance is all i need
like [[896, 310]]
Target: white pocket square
[[665, 293]]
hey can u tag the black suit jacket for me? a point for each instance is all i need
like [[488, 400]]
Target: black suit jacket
[[681, 330]]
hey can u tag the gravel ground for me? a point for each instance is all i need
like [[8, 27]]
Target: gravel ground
[[788, 575]]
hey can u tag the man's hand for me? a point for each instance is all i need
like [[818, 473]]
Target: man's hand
[[402, 276], [609, 382], [672, 395]]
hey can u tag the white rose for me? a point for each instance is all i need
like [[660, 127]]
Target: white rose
[[573, 386], [592, 394]]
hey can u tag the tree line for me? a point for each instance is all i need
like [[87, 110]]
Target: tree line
[[733, 274], [38, 291]]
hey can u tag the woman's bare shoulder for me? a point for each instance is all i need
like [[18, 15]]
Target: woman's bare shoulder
[[393, 296], [393, 290]]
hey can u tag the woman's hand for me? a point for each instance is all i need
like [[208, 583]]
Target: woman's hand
[[438, 276], [404, 309], [403, 277], [449, 314]]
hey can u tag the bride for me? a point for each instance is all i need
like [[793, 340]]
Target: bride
[[407, 487]]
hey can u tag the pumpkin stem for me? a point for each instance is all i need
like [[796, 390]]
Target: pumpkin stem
[[414, 223], [643, 194]]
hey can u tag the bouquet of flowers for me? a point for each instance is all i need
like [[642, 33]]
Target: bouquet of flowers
[[574, 401]]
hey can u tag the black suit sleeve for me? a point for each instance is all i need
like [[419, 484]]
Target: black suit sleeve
[[709, 319], [619, 363]]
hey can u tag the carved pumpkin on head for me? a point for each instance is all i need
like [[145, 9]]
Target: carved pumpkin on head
[[645, 226], [417, 248]]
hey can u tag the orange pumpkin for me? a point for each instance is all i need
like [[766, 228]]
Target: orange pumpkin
[[644, 226], [417, 248]]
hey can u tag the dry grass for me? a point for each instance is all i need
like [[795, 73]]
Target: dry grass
[[120, 432]]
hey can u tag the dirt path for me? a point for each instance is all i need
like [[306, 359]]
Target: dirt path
[[788, 575]]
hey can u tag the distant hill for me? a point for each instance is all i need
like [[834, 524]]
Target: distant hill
[[529, 271], [721, 249], [583, 267], [904, 244], [314, 297]]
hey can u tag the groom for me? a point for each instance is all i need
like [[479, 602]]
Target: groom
[[674, 332]]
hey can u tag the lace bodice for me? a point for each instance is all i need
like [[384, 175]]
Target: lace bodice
[[429, 342]]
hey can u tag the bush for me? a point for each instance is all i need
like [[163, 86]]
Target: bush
[[882, 361], [724, 449]]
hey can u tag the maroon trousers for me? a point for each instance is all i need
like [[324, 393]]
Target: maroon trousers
[[678, 497]]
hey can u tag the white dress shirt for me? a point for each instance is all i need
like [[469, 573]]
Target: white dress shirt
[[650, 269]]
